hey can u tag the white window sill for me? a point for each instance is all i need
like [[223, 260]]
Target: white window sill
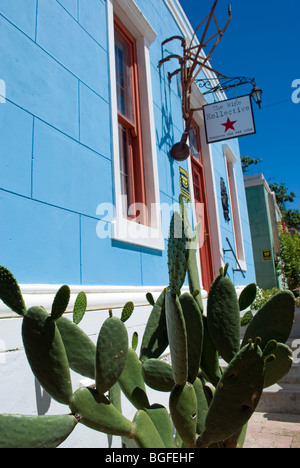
[[124, 230]]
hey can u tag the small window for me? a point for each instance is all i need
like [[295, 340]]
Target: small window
[[137, 213], [195, 143], [236, 218], [129, 125]]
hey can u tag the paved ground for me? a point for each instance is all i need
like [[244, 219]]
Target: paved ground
[[273, 431]]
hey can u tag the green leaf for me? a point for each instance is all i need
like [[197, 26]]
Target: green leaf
[[135, 339], [246, 319], [247, 296], [150, 298], [127, 311], [79, 307], [60, 302], [10, 292]]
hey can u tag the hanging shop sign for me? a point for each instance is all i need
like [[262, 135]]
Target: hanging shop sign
[[267, 255], [184, 184], [228, 119]]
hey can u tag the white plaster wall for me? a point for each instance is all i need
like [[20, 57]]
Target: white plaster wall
[[22, 394]]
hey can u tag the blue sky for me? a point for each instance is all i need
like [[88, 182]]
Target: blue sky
[[263, 42]]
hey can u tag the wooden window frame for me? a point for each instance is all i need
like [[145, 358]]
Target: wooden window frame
[[200, 160], [198, 164], [148, 235], [136, 195]]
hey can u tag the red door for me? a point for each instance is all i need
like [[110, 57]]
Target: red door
[[206, 258]]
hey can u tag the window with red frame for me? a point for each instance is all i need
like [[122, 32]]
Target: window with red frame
[[130, 142]]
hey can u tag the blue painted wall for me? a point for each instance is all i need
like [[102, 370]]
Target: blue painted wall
[[227, 227], [56, 155]]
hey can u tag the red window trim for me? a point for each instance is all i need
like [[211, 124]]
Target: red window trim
[[200, 160], [136, 152]]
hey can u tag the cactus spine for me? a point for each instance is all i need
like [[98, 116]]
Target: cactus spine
[[209, 407]]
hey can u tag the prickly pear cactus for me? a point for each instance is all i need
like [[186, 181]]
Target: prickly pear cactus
[[178, 253], [209, 406], [223, 316]]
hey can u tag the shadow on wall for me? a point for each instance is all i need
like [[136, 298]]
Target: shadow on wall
[[166, 140], [43, 399]]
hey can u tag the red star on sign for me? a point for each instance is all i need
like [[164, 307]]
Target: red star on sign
[[229, 125]]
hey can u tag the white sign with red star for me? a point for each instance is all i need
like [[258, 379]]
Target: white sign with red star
[[228, 119]]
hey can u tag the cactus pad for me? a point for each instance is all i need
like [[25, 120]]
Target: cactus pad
[[177, 338], [132, 383], [79, 307], [247, 296], [159, 415], [95, 411], [178, 253], [223, 316], [80, 349], [46, 354], [60, 302], [183, 409], [158, 375], [276, 369], [127, 311], [155, 338], [111, 353], [145, 432], [18, 431], [274, 320], [195, 331], [236, 396], [10, 292]]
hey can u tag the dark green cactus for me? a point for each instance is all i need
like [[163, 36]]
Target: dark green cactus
[[203, 401], [274, 320], [247, 296], [277, 368], [208, 407], [127, 311], [79, 307], [236, 396], [155, 338], [177, 338], [178, 253], [18, 431], [183, 409], [60, 302], [209, 363], [195, 332], [192, 245], [111, 353], [132, 383], [159, 415], [145, 433], [158, 375], [95, 411], [46, 354], [10, 292], [81, 351], [223, 316]]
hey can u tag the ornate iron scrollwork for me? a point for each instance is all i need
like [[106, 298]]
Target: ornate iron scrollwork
[[225, 200], [191, 62]]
